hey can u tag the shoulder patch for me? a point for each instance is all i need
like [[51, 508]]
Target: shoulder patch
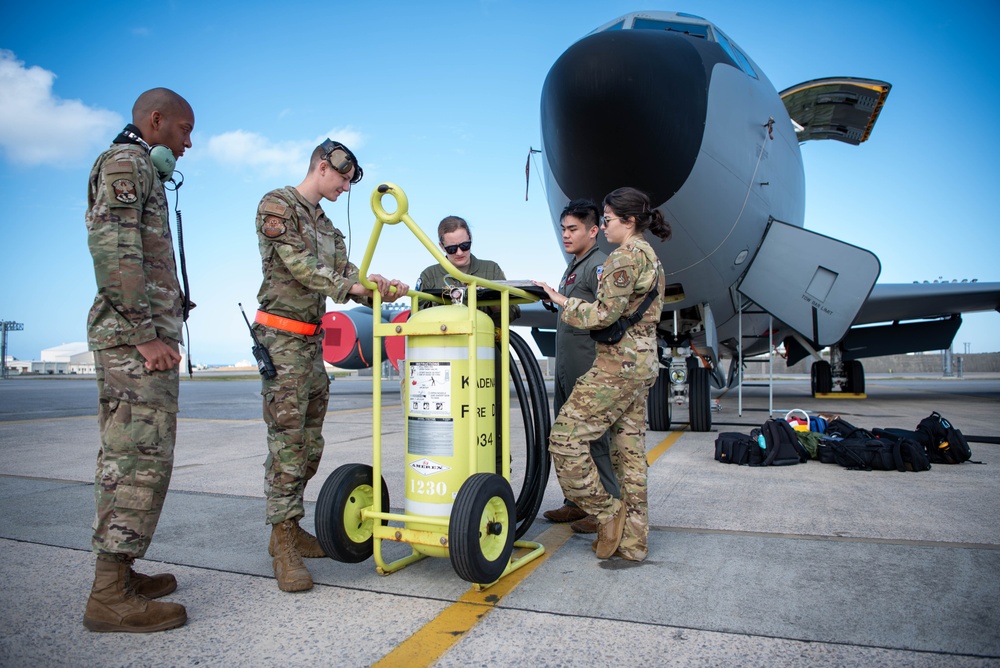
[[273, 227], [125, 191], [600, 270], [275, 208], [621, 278]]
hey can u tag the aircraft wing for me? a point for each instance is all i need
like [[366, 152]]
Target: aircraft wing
[[894, 302], [841, 108], [909, 318]]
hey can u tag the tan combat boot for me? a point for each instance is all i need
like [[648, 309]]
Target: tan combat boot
[[609, 534], [290, 572], [151, 586], [305, 543], [114, 606]]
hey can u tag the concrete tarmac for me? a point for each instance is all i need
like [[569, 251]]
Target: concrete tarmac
[[807, 565]]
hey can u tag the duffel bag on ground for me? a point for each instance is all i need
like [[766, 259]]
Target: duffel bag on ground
[[734, 448]]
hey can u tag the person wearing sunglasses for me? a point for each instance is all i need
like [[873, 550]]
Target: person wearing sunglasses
[[455, 240], [304, 262], [611, 396]]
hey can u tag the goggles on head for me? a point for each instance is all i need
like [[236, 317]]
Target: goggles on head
[[341, 159]]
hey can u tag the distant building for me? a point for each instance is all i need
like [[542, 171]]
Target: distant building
[[68, 358]]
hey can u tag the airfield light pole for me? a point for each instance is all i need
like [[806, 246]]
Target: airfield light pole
[[6, 326]]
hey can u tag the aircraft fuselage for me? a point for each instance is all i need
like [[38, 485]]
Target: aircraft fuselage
[[697, 125]]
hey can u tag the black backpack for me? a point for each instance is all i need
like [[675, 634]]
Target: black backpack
[[944, 443], [781, 445], [839, 427], [911, 450]]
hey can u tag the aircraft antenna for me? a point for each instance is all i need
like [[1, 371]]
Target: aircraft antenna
[[527, 172]]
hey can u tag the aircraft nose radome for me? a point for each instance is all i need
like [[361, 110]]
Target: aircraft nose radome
[[624, 108]]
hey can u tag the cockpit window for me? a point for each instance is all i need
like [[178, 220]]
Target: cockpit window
[[737, 56], [617, 26], [693, 29]]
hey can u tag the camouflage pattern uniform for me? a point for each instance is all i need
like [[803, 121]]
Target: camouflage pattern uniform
[[138, 300], [612, 395], [575, 353], [304, 261], [434, 279]]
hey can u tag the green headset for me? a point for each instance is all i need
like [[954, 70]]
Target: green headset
[[161, 156]]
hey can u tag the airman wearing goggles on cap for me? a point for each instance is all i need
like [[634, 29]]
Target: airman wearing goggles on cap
[[304, 262]]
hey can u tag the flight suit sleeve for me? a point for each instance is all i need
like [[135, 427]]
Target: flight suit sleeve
[[279, 227], [425, 283], [115, 239], [617, 283]]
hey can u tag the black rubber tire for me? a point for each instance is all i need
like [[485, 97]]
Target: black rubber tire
[[658, 403], [855, 371], [481, 528], [699, 399], [339, 529], [821, 377]]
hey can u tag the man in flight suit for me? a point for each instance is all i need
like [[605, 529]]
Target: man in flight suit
[[575, 350], [304, 261], [134, 329]]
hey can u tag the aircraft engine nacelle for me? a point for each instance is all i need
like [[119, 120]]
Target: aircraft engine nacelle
[[347, 338]]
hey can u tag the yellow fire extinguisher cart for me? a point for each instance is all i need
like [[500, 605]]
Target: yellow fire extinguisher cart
[[457, 504]]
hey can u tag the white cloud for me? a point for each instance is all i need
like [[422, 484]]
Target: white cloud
[[242, 149], [38, 128]]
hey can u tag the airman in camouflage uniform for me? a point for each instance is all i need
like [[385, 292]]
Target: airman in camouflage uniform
[[134, 329], [611, 396], [304, 261]]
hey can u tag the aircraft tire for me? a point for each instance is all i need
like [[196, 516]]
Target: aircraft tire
[[481, 528], [822, 378], [699, 399], [339, 528], [855, 376], [658, 403]]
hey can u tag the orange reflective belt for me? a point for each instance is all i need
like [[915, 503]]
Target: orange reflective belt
[[286, 324]]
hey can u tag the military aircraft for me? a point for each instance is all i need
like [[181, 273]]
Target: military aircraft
[[698, 126]]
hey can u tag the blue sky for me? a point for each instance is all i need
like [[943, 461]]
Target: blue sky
[[442, 99]]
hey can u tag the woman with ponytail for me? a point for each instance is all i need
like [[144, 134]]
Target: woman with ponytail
[[611, 396]]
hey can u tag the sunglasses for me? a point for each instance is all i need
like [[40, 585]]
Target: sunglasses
[[341, 159], [465, 245]]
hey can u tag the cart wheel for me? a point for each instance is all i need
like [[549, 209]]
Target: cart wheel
[[341, 532], [481, 528]]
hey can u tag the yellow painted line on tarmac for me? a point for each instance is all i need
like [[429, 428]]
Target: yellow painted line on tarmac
[[439, 635], [663, 446]]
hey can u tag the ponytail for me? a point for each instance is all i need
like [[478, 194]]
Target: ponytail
[[633, 203]]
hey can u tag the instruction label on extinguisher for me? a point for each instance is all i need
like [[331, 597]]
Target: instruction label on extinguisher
[[430, 389]]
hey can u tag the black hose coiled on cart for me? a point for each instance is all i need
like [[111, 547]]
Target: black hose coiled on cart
[[534, 402]]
